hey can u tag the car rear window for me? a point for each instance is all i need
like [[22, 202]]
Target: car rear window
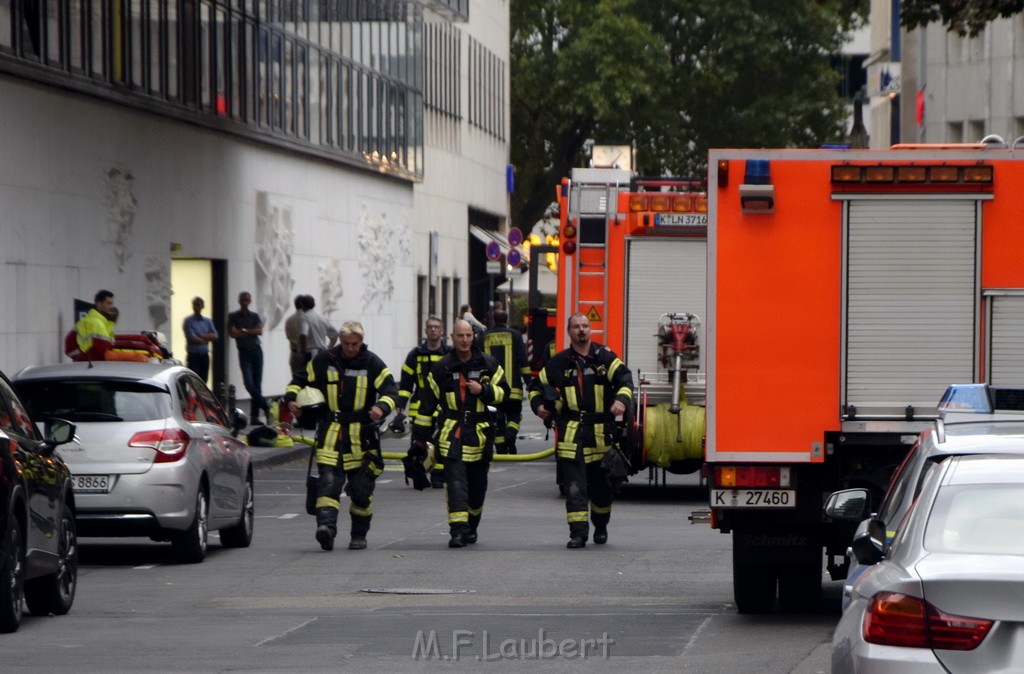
[[84, 401], [978, 519]]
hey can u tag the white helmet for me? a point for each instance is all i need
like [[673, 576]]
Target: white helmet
[[310, 397]]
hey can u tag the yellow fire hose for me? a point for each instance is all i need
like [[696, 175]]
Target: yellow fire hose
[[398, 456]]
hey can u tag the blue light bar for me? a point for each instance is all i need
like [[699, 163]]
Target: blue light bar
[[966, 398]]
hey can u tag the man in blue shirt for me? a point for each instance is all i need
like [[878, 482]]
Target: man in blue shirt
[[199, 333]]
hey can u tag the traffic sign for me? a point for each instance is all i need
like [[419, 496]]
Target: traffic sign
[[493, 267], [515, 237], [514, 257], [493, 250]]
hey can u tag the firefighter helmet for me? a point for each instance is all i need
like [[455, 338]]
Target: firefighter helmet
[[310, 397]]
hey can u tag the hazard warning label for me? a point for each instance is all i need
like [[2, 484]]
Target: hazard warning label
[[592, 314]]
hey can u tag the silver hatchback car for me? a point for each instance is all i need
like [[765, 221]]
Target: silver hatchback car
[[155, 453]]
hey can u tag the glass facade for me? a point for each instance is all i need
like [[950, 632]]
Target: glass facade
[[341, 79]]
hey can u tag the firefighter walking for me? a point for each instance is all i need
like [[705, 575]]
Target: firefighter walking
[[461, 386], [594, 387], [506, 345], [414, 381], [359, 392]]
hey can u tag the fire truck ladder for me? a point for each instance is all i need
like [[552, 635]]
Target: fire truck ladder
[[591, 271]]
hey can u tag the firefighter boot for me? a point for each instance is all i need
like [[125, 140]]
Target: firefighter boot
[[510, 441], [360, 527], [600, 535], [577, 535], [474, 522], [325, 536], [459, 536]]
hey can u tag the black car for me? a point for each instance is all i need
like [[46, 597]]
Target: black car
[[39, 547]]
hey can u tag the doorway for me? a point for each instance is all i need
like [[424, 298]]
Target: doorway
[[207, 279]]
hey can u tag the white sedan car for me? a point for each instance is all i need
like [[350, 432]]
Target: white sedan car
[[155, 453], [947, 595]]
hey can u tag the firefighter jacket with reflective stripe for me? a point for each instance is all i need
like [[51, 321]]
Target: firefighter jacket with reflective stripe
[[464, 426], [351, 386], [588, 386], [95, 335], [414, 374], [506, 345]]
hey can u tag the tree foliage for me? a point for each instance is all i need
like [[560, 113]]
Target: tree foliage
[[674, 78], [966, 17]]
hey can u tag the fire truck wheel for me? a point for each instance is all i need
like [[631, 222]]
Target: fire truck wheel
[[753, 587], [800, 588]]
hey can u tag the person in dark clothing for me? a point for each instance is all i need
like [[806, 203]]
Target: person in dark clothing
[[359, 392], [245, 327], [461, 386], [506, 345], [594, 387]]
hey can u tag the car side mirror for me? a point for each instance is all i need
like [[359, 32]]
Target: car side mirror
[[239, 420], [869, 541], [59, 432], [848, 505]]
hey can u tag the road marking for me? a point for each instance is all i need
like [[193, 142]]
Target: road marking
[[286, 632], [145, 567], [696, 633], [288, 516]]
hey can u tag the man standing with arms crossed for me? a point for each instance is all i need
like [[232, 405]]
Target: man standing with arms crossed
[[461, 385], [199, 334], [595, 387]]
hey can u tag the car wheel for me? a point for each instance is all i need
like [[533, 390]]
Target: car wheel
[[12, 569], [240, 535], [54, 593], [190, 545], [753, 587]]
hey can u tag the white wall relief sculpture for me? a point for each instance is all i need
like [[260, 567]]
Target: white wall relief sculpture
[[381, 244], [275, 239], [121, 207], [158, 290], [330, 286]]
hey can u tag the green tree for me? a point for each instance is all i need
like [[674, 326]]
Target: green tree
[[672, 77], [580, 70], [960, 16]]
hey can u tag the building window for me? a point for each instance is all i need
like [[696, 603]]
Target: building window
[[339, 79], [486, 90]]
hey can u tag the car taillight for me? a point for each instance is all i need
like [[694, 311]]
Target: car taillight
[[896, 619], [170, 445], [751, 476]]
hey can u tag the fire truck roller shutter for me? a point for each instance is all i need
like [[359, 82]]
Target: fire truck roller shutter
[[910, 300], [664, 275], [1006, 335]]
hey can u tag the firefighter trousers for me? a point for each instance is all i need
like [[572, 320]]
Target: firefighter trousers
[[586, 488], [361, 483], [465, 490], [505, 439]]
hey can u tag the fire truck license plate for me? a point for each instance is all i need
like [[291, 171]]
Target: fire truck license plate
[[681, 219], [753, 498]]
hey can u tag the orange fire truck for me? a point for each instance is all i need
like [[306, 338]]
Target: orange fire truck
[[846, 290], [632, 258]]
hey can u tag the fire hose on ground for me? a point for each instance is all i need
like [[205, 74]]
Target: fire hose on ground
[[398, 456]]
